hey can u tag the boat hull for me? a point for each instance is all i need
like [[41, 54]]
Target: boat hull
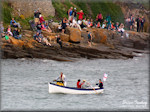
[[53, 88]]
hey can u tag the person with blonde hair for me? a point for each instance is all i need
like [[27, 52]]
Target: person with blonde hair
[[80, 14]]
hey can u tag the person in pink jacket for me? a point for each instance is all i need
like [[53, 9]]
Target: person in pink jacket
[[80, 14]]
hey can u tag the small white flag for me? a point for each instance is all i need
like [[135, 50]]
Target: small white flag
[[105, 77]]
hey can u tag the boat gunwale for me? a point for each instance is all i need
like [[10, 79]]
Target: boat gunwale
[[76, 88]]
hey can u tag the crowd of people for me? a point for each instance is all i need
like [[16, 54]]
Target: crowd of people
[[131, 22], [81, 22], [75, 19], [16, 32]]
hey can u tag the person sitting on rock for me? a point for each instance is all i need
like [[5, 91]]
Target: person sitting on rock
[[121, 29], [98, 25], [2, 33], [16, 34], [38, 37], [104, 25], [47, 27], [116, 26], [41, 19], [44, 39], [39, 27], [7, 37], [75, 24], [14, 23], [8, 30], [112, 27], [44, 28], [59, 40]]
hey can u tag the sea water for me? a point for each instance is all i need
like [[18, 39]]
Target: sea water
[[24, 84]]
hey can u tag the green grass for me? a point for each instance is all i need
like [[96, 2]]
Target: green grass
[[96, 7], [107, 8], [6, 12]]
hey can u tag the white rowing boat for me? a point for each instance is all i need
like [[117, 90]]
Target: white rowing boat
[[54, 88]]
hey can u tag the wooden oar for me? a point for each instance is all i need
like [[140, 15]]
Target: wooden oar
[[92, 88]]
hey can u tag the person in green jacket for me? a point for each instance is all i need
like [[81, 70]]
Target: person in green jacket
[[7, 37]]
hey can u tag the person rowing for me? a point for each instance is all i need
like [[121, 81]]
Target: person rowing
[[79, 83], [84, 84], [62, 79], [100, 84]]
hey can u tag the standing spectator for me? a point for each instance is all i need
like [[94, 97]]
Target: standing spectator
[[14, 23], [70, 12], [59, 40], [99, 17], [142, 23], [2, 30], [64, 24], [89, 38], [138, 20], [131, 22], [80, 14], [74, 14], [108, 19], [16, 34]]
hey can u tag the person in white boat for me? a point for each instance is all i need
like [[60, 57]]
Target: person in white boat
[[62, 78], [85, 85], [100, 84]]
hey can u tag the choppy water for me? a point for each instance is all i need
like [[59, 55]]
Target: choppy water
[[24, 84]]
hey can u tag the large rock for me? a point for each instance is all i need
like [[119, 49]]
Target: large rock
[[64, 37], [16, 42], [74, 34]]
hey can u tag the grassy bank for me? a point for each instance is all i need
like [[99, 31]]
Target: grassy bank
[[91, 9]]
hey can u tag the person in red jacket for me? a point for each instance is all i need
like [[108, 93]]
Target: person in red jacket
[[80, 14], [41, 19], [79, 84]]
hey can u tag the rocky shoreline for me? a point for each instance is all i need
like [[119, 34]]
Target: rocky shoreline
[[106, 45]]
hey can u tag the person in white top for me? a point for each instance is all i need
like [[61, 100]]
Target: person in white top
[[75, 24], [121, 29], [62, 78]]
